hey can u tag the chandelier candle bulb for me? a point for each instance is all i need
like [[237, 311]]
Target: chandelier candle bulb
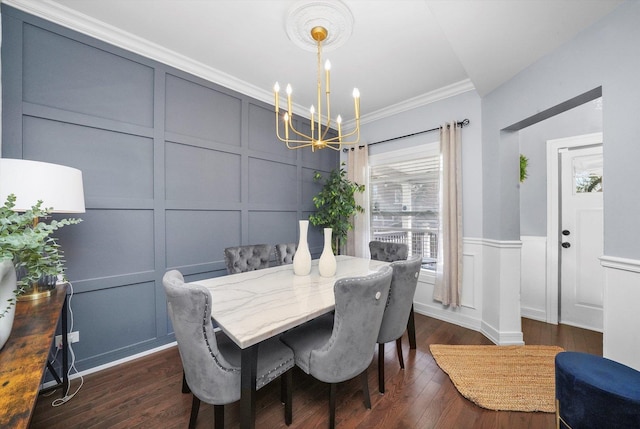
[[313, 111], [319, 137], [289, 91], [356, 100], [276, 94]]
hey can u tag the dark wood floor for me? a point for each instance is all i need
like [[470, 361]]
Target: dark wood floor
[[145, 393]]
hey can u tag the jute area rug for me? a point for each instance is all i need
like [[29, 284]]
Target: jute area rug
[[507, 378]]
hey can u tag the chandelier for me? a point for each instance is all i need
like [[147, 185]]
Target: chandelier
[[318, 137]]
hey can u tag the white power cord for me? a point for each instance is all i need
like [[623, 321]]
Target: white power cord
[[67, 397]]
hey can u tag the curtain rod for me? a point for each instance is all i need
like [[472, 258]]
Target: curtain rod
[[461, 124]]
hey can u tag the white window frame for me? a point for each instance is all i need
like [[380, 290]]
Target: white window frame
[[431, 148]]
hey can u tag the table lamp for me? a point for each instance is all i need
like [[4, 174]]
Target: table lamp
[[58, 186]]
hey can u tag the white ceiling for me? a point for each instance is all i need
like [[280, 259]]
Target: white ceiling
[[401, 52]]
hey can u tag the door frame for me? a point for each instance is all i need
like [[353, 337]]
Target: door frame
[[553, 215]]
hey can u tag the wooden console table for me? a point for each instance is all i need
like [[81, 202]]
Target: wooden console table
[[24, 357]]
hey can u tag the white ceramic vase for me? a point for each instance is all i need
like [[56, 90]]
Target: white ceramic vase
[[7, 286], [302, 258], [327, 263]]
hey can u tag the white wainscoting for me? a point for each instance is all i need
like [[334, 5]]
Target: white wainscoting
[[469, 313], [621, 338], [501, 320], [533, 278]]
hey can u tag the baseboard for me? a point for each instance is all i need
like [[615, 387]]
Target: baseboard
[[111, 364], [502, 338], [532, 313], [447, 316]]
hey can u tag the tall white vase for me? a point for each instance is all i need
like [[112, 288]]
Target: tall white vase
[[302, 258], [7, 286], [327, 262]]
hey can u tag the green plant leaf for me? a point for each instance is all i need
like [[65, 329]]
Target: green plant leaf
[[336, 205], [29, 246]]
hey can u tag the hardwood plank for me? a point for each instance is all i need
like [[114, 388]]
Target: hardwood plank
[[146, 393]]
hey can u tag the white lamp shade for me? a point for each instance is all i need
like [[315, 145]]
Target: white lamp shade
[[58, 186]]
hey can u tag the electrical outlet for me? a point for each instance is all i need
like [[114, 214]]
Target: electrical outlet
[[72, 337]]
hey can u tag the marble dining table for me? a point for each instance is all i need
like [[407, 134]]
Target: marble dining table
[[257, 305]]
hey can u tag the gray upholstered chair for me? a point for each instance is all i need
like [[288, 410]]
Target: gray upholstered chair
[[390, 252], [240, 259], [285, 253], [336, 348], [211, 361], [396, 313]]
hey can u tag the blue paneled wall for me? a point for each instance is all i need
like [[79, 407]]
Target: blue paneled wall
[[175, 169]]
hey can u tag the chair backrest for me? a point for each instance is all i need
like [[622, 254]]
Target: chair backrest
[[285, 253], [360, 303], [240, 259], [209, 376], [389, 252], [401, 292]]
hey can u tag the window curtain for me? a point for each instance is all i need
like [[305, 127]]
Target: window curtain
[[449, 265], [358, 172]]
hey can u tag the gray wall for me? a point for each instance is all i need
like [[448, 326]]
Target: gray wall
[[584, 119], [605, 55], [175, 169]]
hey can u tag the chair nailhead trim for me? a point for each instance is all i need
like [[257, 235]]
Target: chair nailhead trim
[[206, 339]]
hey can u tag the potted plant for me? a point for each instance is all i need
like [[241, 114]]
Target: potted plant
[[336, 205], [25, 240]]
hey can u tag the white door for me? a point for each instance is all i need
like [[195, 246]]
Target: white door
[[581, 237]]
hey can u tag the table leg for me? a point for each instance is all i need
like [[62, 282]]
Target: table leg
[[248, 372], [65, 348], [411, 328]]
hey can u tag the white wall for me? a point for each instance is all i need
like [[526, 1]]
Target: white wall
[[533, 278], [605, 55]]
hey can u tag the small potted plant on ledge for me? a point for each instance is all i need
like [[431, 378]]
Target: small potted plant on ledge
[[336, 205], [26, 246]]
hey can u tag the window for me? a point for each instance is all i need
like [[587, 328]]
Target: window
[[404, 187]]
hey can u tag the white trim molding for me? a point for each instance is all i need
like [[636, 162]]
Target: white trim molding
[[621, 337], [533, 278], [501, 318], [632, 265], [100, 30], [490, 291], [469, 313], [418, 101], [553, 213]]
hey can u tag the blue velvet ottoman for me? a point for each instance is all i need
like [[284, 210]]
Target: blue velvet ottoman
[[595, 392]]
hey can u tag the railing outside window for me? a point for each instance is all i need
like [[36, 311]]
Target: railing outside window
[[420, 242], [404, 200]]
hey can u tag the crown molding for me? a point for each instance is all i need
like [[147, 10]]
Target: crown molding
[[419, 101], [89, 26]]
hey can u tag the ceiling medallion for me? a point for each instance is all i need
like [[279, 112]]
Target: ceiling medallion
[[309, 25], [333, 15]]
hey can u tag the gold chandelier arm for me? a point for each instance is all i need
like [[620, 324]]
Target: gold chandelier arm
[[298, 146], [318, 139], [334, 146], [292, 128], [327, 127], [356, 130]]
